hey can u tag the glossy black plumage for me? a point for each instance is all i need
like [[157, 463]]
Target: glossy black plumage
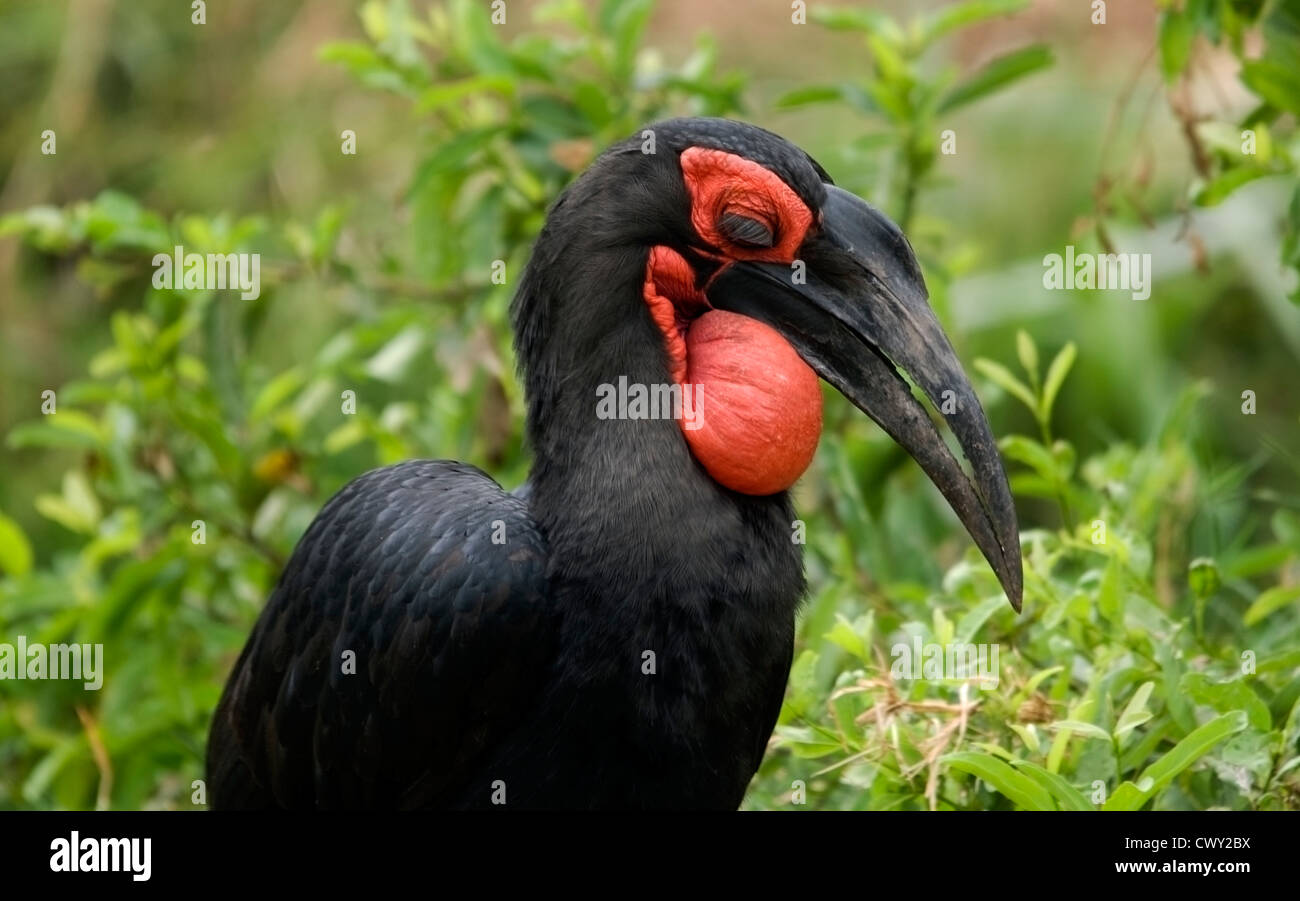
[[399, 569], [626, 641], [525, 662], [468, 671]]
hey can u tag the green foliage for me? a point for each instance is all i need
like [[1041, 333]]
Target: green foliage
[[1120, 686], [1265, 142], [1126, 668], [522, 117], [901, 95]]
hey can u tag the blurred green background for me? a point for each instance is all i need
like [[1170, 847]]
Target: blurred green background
[[1158, 667]]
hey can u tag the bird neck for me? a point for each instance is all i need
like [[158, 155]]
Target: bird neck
[[626, 508], [677, 595]]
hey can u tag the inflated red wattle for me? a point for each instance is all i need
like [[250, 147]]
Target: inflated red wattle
[[759, 405]]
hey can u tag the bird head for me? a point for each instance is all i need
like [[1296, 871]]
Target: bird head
[[750, 271]]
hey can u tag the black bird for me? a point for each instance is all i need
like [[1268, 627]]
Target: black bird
[[618, 632]]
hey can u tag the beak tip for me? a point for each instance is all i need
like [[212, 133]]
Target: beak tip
[[1012, 576], [1014, 582]]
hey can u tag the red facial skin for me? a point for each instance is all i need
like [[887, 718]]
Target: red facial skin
[[721, 182], [759, 404]]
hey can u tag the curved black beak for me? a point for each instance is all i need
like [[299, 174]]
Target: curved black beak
[[857, 308]]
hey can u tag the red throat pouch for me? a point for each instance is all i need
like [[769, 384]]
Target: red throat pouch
[[757, 404]]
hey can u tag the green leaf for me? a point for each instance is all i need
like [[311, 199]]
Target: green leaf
[[808, 744], [1127, 797], [47, 228], [1271, 601], [961, 15], [215, 436], [1135, 712], [1225, 138], [627, 24], [1139, 751], [1176, 35], [393, 358], [1286, 526], [1069, 796], [997, 74], [592, 101], [1002, 377], [1218, 188], [1056, 373], [853, 636], [1030, 452], [890, 101], [452, 155], [1055, 754], [15, 549], [345, 436], [43, 434], [447, 93], [1028, 735], [975, 618], [81, 497], [801, 692], [1256, 561], [67, 428], [1275, 82], [1028, 353], [942, 627], [1224, 697], [1023, 791], [853, 18], [49, 767], [1039, 677], [367, 65], [1087, 730], [1180, 757], [76, 509], [276, 392], [891, 67], [825, 93]]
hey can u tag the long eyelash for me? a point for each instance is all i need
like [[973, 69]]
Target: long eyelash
[[746, 230]]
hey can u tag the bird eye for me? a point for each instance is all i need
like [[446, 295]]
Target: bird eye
[[745, 230]]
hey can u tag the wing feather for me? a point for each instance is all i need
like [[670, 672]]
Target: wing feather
[[431, 580]]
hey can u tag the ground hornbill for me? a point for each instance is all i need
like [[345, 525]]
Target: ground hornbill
[[617, 632]]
